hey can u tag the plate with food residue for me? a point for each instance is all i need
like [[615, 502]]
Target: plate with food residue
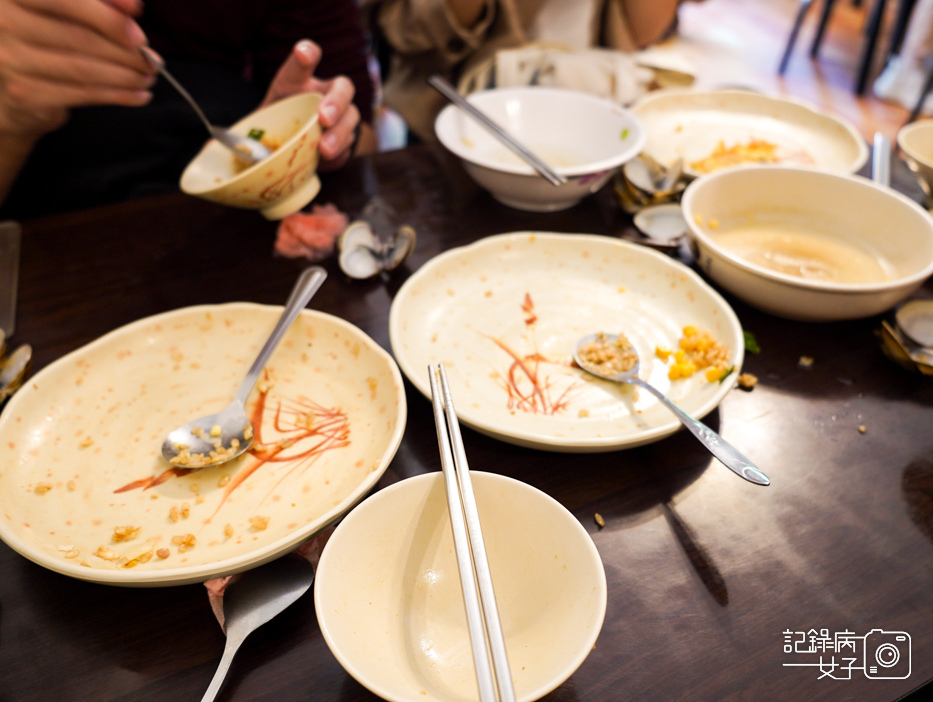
[[711, 130], [84, 490], [504, 314]]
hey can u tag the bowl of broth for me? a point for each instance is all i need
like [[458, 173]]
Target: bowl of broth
[[583, 137], [808, 245]]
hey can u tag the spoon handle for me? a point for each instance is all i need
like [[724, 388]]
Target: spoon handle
[[230, 649], [719, 447], [308, 283], [148, 55]]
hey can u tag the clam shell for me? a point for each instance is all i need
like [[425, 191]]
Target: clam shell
[[915, 319], [14, 369], [363, 256]]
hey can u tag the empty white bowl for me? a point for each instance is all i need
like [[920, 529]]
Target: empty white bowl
[[277, 186], [388, 599], [583, 137], [865, 246]]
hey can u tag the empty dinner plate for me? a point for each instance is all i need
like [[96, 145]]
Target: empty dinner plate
[[504, 314], [84, 489]]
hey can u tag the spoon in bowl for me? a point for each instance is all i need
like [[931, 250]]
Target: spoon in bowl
[[245, 148], [609, 347], [218, 438]]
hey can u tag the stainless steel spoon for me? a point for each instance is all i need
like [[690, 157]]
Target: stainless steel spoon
[[719, 447], [244, 147], [218, 438], [258, 596]]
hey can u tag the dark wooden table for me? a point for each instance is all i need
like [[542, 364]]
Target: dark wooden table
[[706, 572]]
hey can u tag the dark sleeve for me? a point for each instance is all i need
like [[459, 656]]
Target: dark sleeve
[[335, 25], [254, 37]]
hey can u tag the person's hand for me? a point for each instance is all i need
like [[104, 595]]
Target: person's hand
[[339, 117], [60, 54]]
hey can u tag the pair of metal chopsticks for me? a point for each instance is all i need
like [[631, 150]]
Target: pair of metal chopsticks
[[482, 613]]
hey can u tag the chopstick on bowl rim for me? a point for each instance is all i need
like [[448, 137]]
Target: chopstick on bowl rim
[[482, 612], [449, 92]]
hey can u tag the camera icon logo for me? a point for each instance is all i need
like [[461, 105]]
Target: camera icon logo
[[887, 655]]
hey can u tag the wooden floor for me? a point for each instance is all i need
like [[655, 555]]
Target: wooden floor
[[740, 42]]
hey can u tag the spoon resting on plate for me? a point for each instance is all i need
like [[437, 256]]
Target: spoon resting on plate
[[246, 148], [611, 357], [255, 598], [218, 438]]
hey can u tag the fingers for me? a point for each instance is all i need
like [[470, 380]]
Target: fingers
[[337, 141], [295, 73], [59, 54]]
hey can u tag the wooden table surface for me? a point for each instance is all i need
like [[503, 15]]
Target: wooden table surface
[[708, 575]]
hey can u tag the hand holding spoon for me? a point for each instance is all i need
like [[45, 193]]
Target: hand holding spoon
[[719, 447], [218, 438]]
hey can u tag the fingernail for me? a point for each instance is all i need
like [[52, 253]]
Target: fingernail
[[136, 35], [304, 47], [329, 113]]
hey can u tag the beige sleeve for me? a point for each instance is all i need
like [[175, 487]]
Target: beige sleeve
[[429, 26]]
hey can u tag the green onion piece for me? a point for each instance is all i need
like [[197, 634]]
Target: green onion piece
[[751, 343], [624, 134], [256, 133], [727, 374]]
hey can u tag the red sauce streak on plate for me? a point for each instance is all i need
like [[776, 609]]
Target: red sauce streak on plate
[[300, 442], [539, 399], [528, 307], [152, 481]]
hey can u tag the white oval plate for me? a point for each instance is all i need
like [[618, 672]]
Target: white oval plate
[[504, 314], [91, 427], [689, 124]]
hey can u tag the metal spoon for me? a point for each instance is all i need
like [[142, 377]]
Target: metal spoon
[[254, 599], [210, 440], [244, 147], [719, 447]]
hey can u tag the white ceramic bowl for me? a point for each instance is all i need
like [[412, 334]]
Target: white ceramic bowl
[[277, 186], [916, 141], [856, 217], [388, 599], [583, 137]]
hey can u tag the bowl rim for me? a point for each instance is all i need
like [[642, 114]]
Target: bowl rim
[[307, 124], [909, 129], [586, 543], [637, 138], [698, 234], [646, 102]]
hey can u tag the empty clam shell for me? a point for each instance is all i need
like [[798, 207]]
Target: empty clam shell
[[14, 370], [664, 225], [915, 319], [362, 255]]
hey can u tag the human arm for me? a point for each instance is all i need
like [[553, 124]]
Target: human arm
[[56, 55]]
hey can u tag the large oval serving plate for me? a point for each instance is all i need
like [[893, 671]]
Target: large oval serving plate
[[690, 124], [504, 314], [84, 490]]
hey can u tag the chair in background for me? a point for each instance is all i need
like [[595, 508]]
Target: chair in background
[[873, 26]]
